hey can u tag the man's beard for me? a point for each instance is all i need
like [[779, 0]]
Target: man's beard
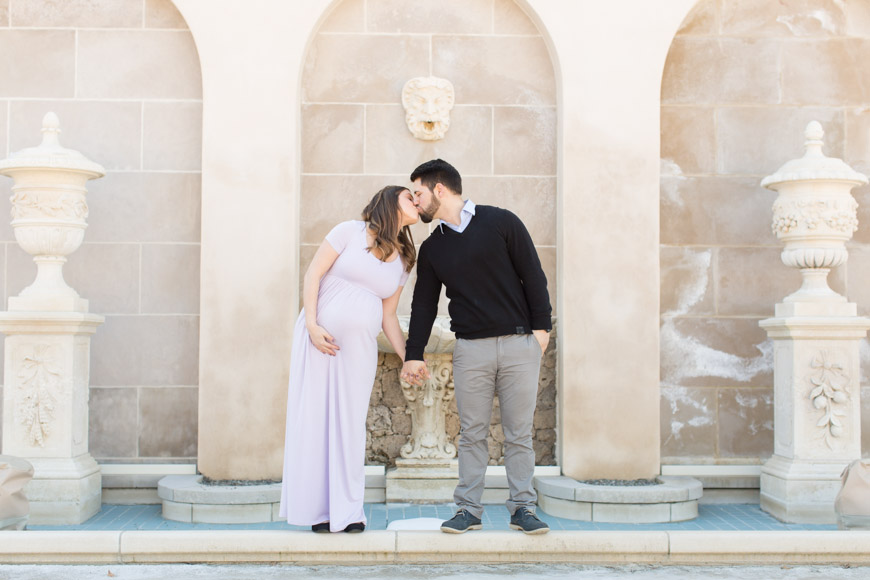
[[428, 214]]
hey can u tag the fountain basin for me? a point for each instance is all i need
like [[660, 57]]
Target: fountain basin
[[673, 499], [186, 498]]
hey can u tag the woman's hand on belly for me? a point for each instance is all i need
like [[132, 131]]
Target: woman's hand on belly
[[322, 340]]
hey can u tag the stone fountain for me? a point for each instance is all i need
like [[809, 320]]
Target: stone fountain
[[427, 469]]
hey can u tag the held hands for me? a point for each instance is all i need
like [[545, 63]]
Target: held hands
[[322, 340], [414, 372], [543, 338]]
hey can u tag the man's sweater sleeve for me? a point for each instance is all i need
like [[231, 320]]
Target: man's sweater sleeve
[[528, 267], [424, 307]]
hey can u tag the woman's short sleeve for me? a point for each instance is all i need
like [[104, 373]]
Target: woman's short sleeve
[[341, 234], [404, 276]]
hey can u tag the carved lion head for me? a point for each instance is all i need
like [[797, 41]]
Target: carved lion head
[[427, 102]]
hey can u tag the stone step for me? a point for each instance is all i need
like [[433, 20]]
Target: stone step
[[838, 548]]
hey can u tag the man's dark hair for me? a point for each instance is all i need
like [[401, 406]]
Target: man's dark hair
[[438, 171]]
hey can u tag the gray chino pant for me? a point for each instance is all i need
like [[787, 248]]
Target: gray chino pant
[[507, 366]]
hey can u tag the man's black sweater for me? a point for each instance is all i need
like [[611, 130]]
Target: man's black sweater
[[493, 278]]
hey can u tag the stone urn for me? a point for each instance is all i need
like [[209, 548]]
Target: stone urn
[[816, 335], [814, 215], [46, 368], [49, 216]]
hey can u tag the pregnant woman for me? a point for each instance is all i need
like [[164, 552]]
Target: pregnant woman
[[350, 292]]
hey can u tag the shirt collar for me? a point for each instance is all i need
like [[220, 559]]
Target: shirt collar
[[468, 210]]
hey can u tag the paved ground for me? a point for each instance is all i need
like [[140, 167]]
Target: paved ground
[[496, 517], [493, 572]]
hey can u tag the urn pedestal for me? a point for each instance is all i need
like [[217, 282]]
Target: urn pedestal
[[422, 481], [48, 331], [427, 470], [817, 413], [816, 335]]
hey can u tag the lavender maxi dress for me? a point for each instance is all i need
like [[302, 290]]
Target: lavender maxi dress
[[324, 450]]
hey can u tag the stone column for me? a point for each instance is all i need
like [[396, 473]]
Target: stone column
[[250, 181], [816, 334], [48, 330]]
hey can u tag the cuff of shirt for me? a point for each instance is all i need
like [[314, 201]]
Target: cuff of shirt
[[413, 353]]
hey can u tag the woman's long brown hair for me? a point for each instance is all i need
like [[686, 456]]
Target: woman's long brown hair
[[382, 218]]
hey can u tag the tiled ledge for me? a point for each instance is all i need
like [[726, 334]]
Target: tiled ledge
[[384, 547]]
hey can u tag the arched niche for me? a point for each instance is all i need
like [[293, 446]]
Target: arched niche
[[502, 139]]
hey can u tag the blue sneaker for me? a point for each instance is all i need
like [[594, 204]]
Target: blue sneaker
[[528, 522]]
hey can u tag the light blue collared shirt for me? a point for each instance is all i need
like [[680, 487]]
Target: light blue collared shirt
[[464, 218]]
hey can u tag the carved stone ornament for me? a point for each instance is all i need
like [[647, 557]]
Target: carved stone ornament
[[26, 205], [427, 405], [427, 102], [829, 393], [40, 384], [839, 215], [49, 215], [814, 215]]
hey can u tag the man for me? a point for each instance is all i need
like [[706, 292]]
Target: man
[[500, 314]]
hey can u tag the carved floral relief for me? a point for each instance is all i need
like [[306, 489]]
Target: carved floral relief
[[32, 205], [40, 383], [829, 393], [840, 215]]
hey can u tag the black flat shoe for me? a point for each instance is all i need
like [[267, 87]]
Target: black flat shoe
[[320, 528], [355, 528]]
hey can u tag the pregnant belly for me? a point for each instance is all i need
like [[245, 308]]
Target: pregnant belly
[[345, 310]]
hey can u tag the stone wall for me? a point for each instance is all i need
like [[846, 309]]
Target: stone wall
[[502, 136], [389, 424], [123, 75], [124, 78], [742, 80]]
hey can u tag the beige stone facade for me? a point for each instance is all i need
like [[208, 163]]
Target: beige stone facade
[[124, 78], [630, 137], [741, 82]]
